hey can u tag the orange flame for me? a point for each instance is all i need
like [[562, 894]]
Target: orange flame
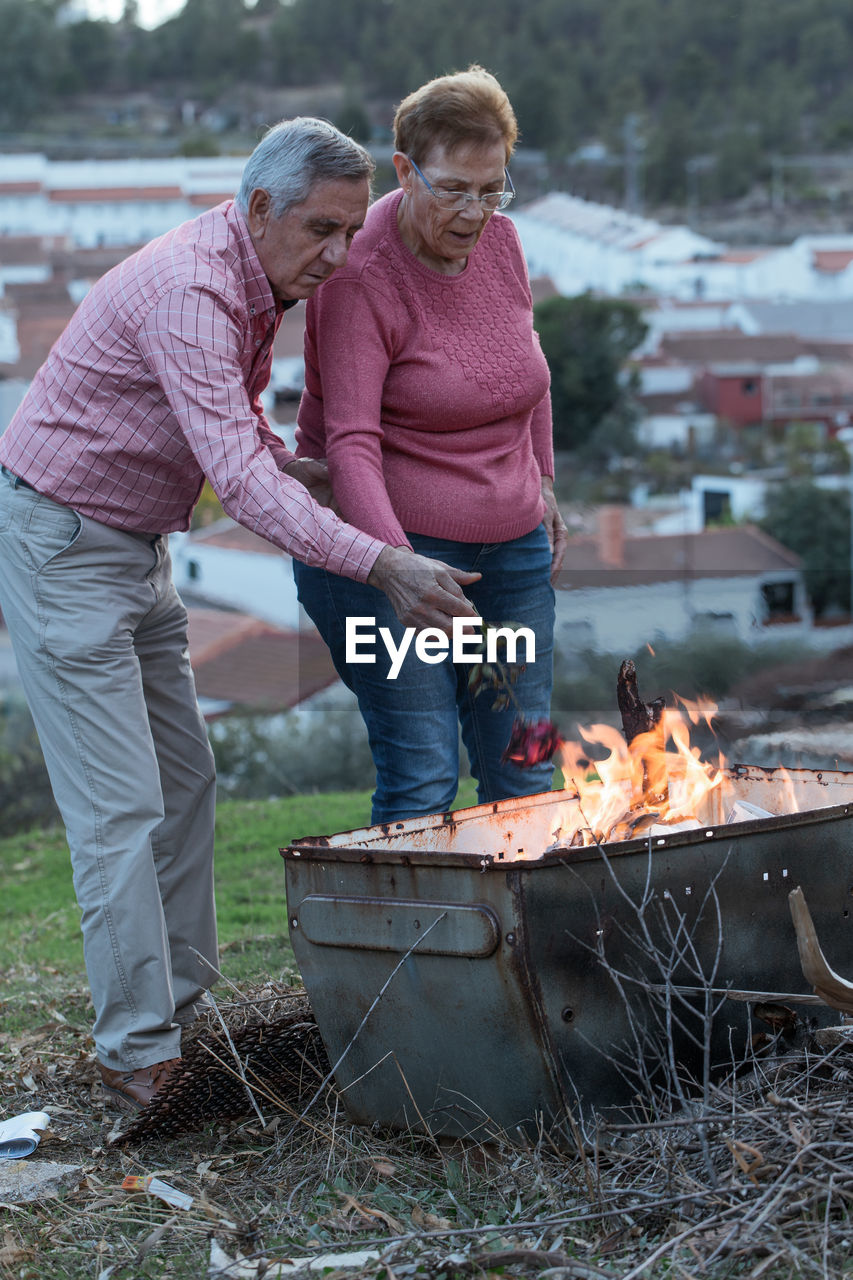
[[657, 779], [791, 803]]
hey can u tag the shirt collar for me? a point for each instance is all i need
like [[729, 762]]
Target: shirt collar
[[259, 294]]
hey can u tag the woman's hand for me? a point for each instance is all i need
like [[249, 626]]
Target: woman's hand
[[558, 534], [313, 473]]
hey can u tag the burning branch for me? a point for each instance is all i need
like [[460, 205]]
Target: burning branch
[[652, 779], [637, 716]]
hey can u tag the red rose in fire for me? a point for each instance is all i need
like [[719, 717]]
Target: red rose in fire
[[530, 744]]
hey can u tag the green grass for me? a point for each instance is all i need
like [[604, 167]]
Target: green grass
[[39, 919], [448, 1210]]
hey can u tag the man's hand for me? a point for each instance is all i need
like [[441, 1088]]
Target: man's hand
[[558, 534], [423, 592], [313, 473]]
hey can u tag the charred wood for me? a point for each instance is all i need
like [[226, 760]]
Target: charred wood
[[637, 716]]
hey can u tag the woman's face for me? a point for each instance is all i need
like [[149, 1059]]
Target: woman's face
[[443, 238]]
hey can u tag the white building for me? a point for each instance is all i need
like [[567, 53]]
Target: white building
[[582, 245], [229, 566], [579, 244], [688, 428], [110, 202], [667, 316], [617, 593]]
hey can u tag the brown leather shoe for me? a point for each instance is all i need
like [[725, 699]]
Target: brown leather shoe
[[135, 1089]]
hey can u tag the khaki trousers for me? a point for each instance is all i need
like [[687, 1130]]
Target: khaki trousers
[[100, 639]]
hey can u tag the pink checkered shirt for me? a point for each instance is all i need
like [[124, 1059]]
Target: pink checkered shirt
[[155, 384]]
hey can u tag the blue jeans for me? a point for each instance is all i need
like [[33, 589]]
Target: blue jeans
[[413, 721]]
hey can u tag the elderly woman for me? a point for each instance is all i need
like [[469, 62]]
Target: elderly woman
[[427, 391]]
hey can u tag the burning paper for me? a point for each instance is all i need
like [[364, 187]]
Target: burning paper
[[650, 781], [656, 783]]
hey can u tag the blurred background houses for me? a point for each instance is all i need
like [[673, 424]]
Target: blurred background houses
[[685, 206]]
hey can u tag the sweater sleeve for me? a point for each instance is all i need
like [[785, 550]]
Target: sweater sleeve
[[542, 434], [541, 424], [279, 450], [348, 346]]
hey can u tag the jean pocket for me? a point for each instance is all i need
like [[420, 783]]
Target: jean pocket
[[51, 531]]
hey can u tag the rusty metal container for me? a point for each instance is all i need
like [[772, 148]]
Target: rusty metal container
[[467, 977]]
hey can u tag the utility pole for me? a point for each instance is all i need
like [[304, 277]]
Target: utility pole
[[633, 161], [777, 187], [695, 166], [692, 191], [845, 435]]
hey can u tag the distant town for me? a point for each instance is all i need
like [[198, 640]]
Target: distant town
[[738, 340]]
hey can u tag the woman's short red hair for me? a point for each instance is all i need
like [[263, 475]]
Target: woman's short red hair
[[467, 106]]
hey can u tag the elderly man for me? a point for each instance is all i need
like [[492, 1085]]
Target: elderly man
[[153, 386]]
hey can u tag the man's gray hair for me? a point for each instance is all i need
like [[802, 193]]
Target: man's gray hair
[[295, 154]]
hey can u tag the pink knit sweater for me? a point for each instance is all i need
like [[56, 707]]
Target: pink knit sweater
[[427, 393]]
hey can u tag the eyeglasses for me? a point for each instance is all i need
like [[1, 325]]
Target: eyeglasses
[[457, 200]]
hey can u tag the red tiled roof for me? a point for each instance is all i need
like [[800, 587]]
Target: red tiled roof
[[829, 379], [30, 293], [714, 553], [255, 666], [726, 345], [89, 263], [742, 255], [42, 310], [23, 249], [231, 536], [207, 199], [82, 195], [685, 304], [667, 402], [832, 261]]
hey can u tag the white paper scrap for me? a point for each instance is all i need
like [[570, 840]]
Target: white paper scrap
[[19, 1136], [671, 828], [743, 811], [157, 1187], [222, 1266]]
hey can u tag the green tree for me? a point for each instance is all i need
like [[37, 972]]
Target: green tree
[[91, 54], [672, 144], [33, 60], [587, 342], [205, 45], [740, 163], [352, 118], [815, 523]]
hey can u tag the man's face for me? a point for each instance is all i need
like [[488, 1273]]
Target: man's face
[[301, 249]]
